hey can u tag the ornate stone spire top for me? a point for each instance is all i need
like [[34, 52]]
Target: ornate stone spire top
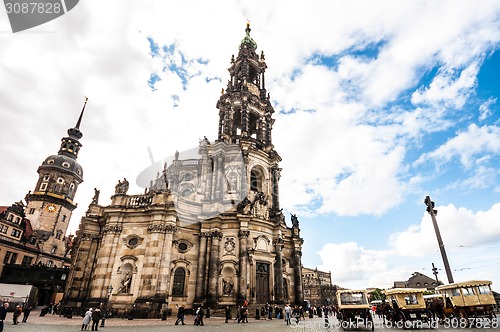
[[248, 41]]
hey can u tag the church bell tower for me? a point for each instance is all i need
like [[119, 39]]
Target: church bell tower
[[245, 118]]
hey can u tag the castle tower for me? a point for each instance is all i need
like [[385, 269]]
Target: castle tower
[[50, 205]]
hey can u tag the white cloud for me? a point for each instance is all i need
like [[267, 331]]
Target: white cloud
[[469, 146], [485, 110], [448, 87]]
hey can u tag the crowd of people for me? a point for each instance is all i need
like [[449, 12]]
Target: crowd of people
[[18, 310]]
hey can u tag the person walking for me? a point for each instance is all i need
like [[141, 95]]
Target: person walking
[[16, 314], [86, 319], [180, 315], [3, 314], [288, 314], [26, 314], [96, 317], [199, 316], [228, 313], [296, 314]]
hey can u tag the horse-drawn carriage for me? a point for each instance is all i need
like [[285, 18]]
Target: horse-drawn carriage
[[354, 309], [407, 309], [471, 301]]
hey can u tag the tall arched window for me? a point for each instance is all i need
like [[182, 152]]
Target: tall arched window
[[255, 182], [179, 280]]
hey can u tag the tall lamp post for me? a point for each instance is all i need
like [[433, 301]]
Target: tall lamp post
[[106, 310], [432, 212]]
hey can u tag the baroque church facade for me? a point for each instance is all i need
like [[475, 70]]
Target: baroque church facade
[[209, 230]]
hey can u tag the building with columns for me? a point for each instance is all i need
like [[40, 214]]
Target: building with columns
[[208, 230]]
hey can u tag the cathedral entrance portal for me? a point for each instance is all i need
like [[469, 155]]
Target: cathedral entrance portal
[[262, 282]]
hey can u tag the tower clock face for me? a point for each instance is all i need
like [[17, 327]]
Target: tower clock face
[[50, 208]]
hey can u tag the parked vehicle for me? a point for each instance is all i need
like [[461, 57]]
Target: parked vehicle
[[468, 299], [407, 308], [354, 309]]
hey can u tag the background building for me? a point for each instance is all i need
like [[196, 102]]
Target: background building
[[34, 247], [209, 229], [418, 280], [318, 288]]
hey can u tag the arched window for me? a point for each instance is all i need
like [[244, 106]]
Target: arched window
[[179, 280], [255, 181]]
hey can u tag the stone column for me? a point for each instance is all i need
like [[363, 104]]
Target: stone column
[[213, 280], [201, 276], [278, 279], [221, 122], [244, 119], [297, 270], [219, 177], [275, 179], [242, 282], [164, 276]]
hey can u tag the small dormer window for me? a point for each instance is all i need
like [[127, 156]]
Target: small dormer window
[[78, 171], [65, 164], [50, 161], [43, 186], [60, 180], [46, 178], [72, 186]]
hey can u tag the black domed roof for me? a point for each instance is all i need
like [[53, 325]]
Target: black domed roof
[[62, 162]]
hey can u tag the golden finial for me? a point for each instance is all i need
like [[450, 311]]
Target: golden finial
[[222, 91]]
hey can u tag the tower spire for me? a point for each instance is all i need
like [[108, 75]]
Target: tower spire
[[70, 146], [81, 114]]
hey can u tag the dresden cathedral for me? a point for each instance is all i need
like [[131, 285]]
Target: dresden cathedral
[[208, 230]]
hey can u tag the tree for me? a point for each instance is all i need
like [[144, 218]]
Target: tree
[[377, 294]]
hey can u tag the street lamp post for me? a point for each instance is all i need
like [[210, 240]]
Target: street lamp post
[[106, 308], [432, 212]]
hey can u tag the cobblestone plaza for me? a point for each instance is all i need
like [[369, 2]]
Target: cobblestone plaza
[[54, 323]]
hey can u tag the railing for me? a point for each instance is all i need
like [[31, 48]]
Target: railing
[[139, 200]]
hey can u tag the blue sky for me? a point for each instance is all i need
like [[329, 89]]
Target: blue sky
[[378, 104]]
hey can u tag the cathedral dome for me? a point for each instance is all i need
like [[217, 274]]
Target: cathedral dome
[[65, 163]]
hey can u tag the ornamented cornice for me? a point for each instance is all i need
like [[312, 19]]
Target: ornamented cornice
[[113, 229], [162, 228], [204, 234], [243, 234]]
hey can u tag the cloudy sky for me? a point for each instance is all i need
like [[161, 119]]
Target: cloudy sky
[[378, 104]]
